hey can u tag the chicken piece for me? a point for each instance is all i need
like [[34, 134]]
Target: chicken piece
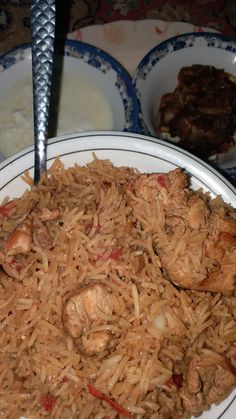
[[206, 383], [41, 234], [197, 212], [95, 342], [167, 187], [214, 244], [85, 309], [196, 243], [12, 270], [15, 268], [20, 240], [45, 214], [221, 247]]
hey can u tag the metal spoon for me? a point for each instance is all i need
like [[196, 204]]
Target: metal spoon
[[42, 18]]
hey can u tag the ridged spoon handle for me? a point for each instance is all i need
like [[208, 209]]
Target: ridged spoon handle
[[42, 19]]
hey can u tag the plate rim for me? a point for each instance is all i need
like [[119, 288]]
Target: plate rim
[[133, 137], [183, 37]]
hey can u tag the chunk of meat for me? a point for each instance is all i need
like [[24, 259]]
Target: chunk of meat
[[15, 268], [215, 245], [20, 240], [169, 188], [41, 234], [195, 243], [207, 382], [86, 308], [221, 246], [95, 342], [201, 119], [197, 212]]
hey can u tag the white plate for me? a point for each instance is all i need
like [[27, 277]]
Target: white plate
[[128, 41], [144, 153]]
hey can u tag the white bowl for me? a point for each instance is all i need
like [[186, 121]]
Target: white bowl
[[82, 65], [144, 153], [157, 74]]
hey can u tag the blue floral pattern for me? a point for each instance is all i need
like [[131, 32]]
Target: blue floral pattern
[[190, 40]]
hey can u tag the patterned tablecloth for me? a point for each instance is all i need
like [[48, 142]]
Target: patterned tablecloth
[[75, 14]]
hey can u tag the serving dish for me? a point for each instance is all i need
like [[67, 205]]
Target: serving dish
[[146, 154], [157, 74], [80, 61]]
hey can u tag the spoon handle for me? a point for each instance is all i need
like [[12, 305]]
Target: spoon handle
[[42, 18]]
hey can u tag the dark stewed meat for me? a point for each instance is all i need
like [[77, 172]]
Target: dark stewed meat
[[201, 111]]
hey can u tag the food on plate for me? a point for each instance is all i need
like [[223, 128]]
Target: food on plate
[[205, 257], [200, 113], [84, 309], [117, 296], [78, 104]]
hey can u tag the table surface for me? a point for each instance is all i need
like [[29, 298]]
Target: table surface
[[75, 14]]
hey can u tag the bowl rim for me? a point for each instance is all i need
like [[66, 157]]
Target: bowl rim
[[182, 38], [84, 47]]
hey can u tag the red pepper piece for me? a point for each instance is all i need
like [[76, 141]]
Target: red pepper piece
[[115, 254], [161, 180], [101, 396], [98, 228], [48, 402], [65, 379], [178, 379], [89, 227], [107, 183], [16, 265], [6, 208]]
